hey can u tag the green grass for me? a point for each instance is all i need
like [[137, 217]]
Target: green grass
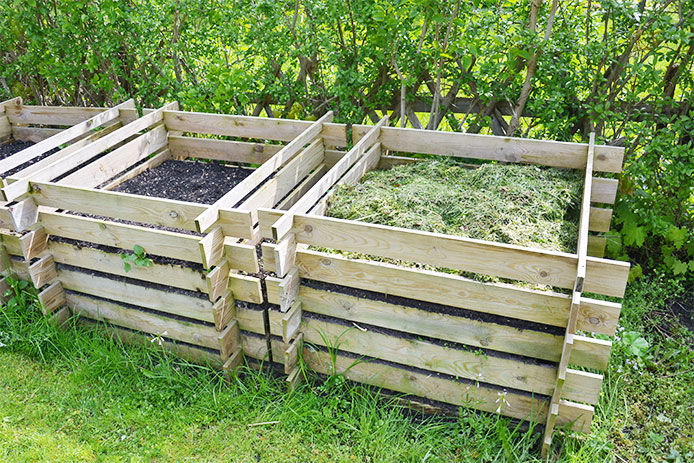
[[73, 395]]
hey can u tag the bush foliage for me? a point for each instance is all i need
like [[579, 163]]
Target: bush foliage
[[554, 70]]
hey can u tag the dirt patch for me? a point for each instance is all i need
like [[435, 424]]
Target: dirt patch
[[683, 308], [192, 181]]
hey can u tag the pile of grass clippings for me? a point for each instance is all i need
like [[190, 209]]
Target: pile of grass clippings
[[514, 204]]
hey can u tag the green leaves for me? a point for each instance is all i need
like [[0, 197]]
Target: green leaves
[[636, 345], [138, 258]]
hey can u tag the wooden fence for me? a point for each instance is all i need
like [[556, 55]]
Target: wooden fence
[[501, 348]]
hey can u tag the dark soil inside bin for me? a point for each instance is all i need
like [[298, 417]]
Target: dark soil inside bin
[[15, 146], [191, 181]]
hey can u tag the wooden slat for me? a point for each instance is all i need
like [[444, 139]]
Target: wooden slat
[[151, 163], [246, 288], [5, 128], [283, 225], [241, 256], [474, 366], [577, 415], [63, 137], [300, 190], [250, 127], [209, 217], [250, 320], [101, 261], [84, 141], [106, 167], [33, 134], [600, 219], [124, 206], [590, 352], [502, 260], [190, 353], [433, 387], [166, 302], [221, 150], [507, 149], [51, 298], [52, 115], [596, 245], [538, 306], [157, 325], [604, 190], [156, 242], [42, 271], [86, 153]]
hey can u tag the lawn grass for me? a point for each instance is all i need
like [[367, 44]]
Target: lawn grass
[[73, 395]]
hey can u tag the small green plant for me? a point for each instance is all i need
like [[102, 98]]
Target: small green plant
[[138, 258]]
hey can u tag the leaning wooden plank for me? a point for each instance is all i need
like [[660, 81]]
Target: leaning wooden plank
[[42, 271], [190, 353], [163, 301], [63, 137], [109, 165], [262, 128], [221, 150], [299, 191], [283, 226], [286, 178], [507, 149], [207, 219], [505, 300], [151, 163], [474, 366], [86, 153], [124, 206], [156, 242], [108, 262], [157, 325], [65, 152], [497, 259], [51, 298], [421, 384]]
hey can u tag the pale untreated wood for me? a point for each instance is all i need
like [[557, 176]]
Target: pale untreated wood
[[125, 206], [497, 259], [101, 261], [51, 298], [538, 306], [154, 324], [130, 293], [221, 150], [156, 242], [507, 149], [600, 219], [43, 271], [241, 256], [604, 190]]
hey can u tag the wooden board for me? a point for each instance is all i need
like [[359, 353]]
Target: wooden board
[[156, 325], [164, 301], [505, 300], [124, 206], [604, 190], [156, 242], [221, 150], [507, 149], [501, 260], [101, 261]]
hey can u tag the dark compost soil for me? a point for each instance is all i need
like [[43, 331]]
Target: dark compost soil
[[192, 181], [15, 146]]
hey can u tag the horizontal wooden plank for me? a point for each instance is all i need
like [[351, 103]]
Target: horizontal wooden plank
[[254, 347], [166, 302], [507, 149], [443, 326], [590, 352], [246, 288], [101, 261], [52, 115], [109, 165], [505, 300], [501, 260], [600, 219], [190, 353], [157, 242], [250, 320], [148, 322], [250, 127], [576, 415], [441, 389], [596, 245], [33, 134], [471, 365], [582, 386], [604, 190], [221, 150], [124, 206], [241, 256]]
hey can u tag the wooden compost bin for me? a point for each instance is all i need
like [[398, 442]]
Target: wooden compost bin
[[204, 256], [47, 128], [524, 353]]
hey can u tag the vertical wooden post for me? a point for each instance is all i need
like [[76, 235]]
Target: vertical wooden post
[[567, 346]]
